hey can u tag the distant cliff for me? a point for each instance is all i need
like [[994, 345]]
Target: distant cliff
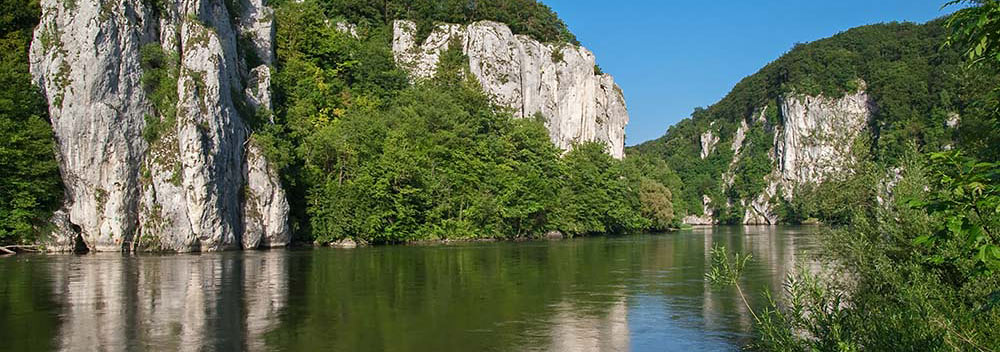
[[870, 94], [559, 81], [150, 103]]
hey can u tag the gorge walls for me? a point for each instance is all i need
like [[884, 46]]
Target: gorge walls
[[151, 105], [813, 139]]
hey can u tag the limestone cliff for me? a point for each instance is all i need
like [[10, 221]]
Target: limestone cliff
[[200, 184], [812, 140], [557, 80]]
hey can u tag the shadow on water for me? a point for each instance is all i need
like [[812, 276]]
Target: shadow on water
[[610, 294]]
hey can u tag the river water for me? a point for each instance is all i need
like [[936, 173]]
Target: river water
[[632, 293]]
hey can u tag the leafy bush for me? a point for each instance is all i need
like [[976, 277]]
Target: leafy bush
[[906, 275], [965, 201], [159, 80]]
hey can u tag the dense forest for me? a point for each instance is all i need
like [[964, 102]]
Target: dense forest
[[364, 152], [367, 154], [915, 84], [370, 156]]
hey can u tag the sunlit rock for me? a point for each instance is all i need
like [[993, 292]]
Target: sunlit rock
[[184, 190], [558, 81]]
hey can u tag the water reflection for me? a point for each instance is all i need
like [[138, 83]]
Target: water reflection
[[573, 331], [599, 294], [183, 303]]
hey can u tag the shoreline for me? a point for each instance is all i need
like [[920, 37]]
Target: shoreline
[[39, 249]]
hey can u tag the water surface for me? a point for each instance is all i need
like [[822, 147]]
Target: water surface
[[633, 293]]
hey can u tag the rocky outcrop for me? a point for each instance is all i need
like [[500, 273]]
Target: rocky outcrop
[[196, 184], [813, 141], [708, 142], [816, 136], [706, 216], [558, 81]]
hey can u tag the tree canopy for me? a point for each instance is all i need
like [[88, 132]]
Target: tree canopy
[[30, 187]]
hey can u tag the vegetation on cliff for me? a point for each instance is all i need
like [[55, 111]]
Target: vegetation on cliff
[[364, 152], [916, 87], [369, 155], [30, 187], [914, 269]]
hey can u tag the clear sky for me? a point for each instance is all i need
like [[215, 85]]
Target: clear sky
[[672, 56]]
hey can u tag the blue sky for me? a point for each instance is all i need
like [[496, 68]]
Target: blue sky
[[673, 56]]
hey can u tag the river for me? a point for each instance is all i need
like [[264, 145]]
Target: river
[[630, 293]]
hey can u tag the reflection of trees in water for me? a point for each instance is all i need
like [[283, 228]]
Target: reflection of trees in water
[[566, 295], [28, 314], [183, 303], [502, 296]]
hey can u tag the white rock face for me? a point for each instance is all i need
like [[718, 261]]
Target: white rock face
[[706, 217], [814, 141], [817, 135], [737, 146], [266, 208], [708, 142], [530, 77], [185, 190]]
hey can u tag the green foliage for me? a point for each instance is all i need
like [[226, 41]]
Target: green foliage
[[558, 56], [837, 200], [725, 271], [656, 204], [916, 87], [529, 17], [901, 278], [599, 195], [31, 188], [659, 205], [965, 202], [321, 74], [976, 28], [159, 80], [917, 251], [367, 155]]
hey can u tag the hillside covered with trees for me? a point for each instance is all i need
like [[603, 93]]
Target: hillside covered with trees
[[368, 155], [365, 152], [528, 17], [917, 267], [915, 83]]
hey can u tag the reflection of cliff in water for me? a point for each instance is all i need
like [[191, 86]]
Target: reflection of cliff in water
[[574, 331], [609, 294], [182, 303], [776, 251]]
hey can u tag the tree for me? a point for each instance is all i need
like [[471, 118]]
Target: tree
[[30, 187], [657, 205], [976, 28]]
